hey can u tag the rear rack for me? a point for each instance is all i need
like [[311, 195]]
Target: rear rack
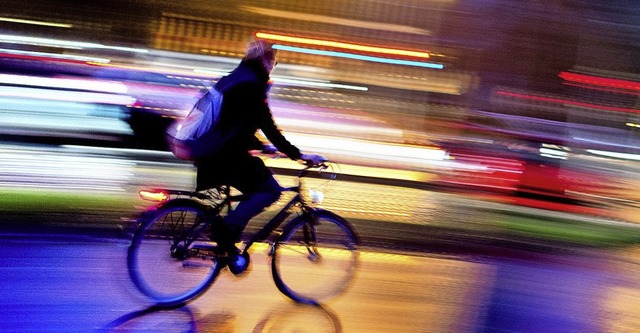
[[198, 195]]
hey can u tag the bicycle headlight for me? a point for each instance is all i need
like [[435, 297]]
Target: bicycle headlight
[[316, 196]]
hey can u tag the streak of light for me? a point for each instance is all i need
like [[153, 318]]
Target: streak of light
[[60, 118], [64, 43], [335, 20], [212, 71], [60, 83], [316, 83], [290, 81], [25, 167], [600, 89], [600, 142], [33, 22], [553, 153], [359, 57], [626, 156], [567, 102], [54, 56], [396, 152], [362, 253], [342, 45], [68, 96], [366, 171], [600, 81], [347, 129]]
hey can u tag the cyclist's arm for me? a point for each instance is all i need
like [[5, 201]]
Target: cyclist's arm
[[274, 135]]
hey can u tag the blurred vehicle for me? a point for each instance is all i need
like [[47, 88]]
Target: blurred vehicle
[[540, 159], [38, 102], [105, 95]]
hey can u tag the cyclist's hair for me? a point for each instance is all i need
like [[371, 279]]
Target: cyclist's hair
[[259, 49]]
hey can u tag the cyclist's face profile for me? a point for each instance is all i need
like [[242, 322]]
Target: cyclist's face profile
[[269, 61]]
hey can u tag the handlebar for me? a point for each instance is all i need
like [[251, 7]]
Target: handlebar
[[320, 167], [270, 149]]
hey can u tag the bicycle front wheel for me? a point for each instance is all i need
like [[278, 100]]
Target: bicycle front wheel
[[165, 261], [315, 258]]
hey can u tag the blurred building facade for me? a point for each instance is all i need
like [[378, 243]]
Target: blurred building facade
[[496, 55]]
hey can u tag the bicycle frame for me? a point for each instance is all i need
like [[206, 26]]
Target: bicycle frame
[[284, 213], [279, 218], [226, 200], [185, 216]]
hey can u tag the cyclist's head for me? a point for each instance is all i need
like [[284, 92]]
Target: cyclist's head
[[260, 50]]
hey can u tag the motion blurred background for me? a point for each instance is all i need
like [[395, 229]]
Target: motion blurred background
[[527, 102], [488, 153]]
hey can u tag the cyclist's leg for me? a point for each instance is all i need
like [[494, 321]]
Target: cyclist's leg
[[257, 199], [266, 193], [250, 176]]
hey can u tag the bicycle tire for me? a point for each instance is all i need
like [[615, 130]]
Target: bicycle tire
[[157, 267], [315, 258]]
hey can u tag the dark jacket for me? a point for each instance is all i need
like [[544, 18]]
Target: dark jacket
[[245, 109]]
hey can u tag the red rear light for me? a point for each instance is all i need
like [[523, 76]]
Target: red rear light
[[158, 196]]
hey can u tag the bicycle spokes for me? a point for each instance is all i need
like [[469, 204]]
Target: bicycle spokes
[[165, 261], [314, 259]]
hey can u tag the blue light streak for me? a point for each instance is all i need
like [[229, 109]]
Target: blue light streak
[[359, 57]]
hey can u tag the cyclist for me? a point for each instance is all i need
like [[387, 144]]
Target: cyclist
[[246, 110]]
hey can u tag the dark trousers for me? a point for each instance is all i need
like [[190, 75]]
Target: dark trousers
[[249, 175], [264, 195]]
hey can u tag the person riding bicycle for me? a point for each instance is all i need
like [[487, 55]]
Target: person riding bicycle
[[245, 108]]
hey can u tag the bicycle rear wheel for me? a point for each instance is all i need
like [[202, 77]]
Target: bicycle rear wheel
[[164, 262], [315, 258]]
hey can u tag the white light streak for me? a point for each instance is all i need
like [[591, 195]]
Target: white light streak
[[553, 153], [60, 83], [625, 156], [316, 83], [359, 148], [56, 56], [69, 96], [64, 43]]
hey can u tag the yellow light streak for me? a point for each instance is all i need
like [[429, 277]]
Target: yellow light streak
[[365, 171], [32, 22], [365, 254], [341, 45], [290, 15]]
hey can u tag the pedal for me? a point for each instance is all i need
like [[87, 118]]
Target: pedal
[[204, 246], [197, 262]]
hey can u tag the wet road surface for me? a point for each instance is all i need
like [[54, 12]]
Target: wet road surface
[[79, 283]]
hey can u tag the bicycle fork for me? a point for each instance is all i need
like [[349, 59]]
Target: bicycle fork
[[311, 240]]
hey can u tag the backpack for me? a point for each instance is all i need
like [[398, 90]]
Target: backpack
[[199, 134]]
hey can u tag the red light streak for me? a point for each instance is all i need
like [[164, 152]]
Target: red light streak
[[567, 102], [600, 81], [601, 89]]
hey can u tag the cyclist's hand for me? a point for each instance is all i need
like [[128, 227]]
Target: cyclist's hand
[[269, 149], [312, 159]]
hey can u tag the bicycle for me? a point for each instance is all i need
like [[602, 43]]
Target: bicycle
[[172, 261]]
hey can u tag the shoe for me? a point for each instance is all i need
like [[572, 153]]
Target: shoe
[[238, 262]]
